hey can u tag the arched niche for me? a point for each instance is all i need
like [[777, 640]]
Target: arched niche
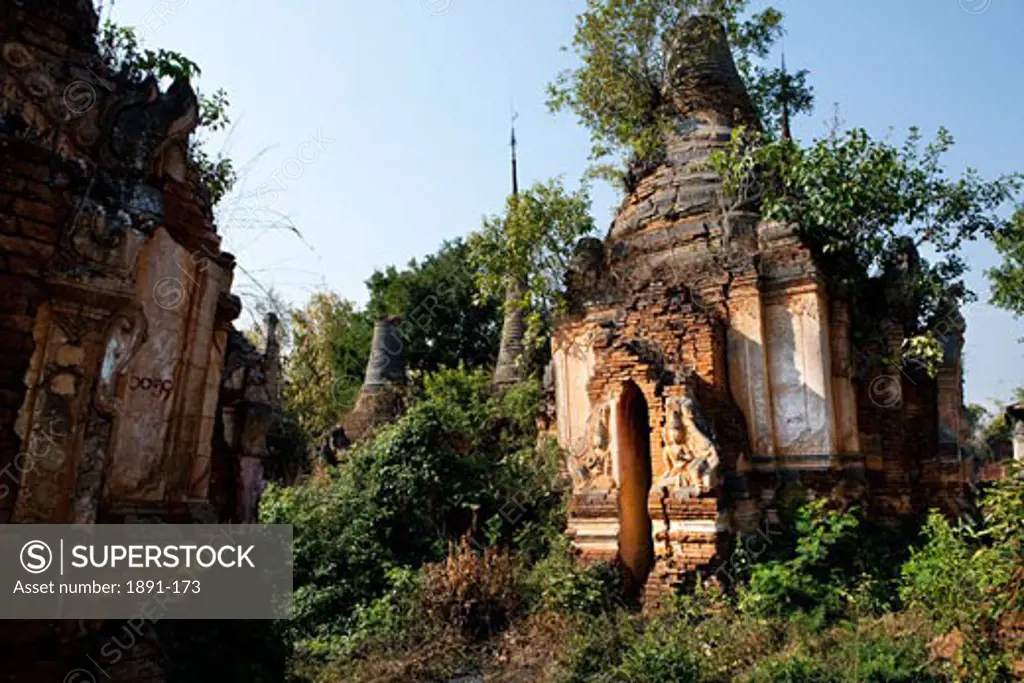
[[636, 543]]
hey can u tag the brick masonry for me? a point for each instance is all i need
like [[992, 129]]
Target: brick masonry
[[125, 393], [692, 301]]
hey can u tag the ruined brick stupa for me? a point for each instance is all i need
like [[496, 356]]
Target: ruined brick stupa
[[126, 393], [705, 366]]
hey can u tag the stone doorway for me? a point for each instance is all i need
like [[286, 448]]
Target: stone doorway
[[636, 545]]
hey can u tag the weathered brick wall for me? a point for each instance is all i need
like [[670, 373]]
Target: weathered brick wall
[[669, 346], [687, 297], [31, 214], [97, 200]]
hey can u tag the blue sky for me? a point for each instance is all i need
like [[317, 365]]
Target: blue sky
[[409, 103]]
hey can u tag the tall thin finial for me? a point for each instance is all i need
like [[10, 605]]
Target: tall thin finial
[[784, 95], [515, 170]]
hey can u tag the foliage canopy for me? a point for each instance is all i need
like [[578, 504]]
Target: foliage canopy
[[532, 243], [448, 320], [620, 93], [1008, 278], [866, 207]]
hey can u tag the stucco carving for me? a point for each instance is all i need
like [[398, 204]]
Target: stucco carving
[[690, 452], [595, 463], [127, 333]]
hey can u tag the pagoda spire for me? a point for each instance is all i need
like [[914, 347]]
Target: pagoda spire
[[515, 170], [784, 94], [510, 366]]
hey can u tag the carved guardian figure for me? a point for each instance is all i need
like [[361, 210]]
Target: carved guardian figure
[[595, 462], [690, 452]]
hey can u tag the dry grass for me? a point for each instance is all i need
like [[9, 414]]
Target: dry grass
[[476, 593]]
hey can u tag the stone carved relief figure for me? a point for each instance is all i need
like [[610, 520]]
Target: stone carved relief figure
[[690, 453], [601, 440], [674, 453], [595, 462], [127, 333], [100, 241]]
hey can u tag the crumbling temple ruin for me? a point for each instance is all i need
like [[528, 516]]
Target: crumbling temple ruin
[[382, 396], [125, 389], [704, 367], [126, 395]]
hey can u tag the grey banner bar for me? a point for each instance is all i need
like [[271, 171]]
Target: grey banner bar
[[147, 571]]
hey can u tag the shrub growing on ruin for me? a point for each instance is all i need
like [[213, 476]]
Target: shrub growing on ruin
[[813, 576], [127, 59], [619, 90], [866, 207]]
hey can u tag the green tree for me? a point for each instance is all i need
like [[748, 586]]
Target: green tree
[[1008, 278], [325, 366], [619, 91], [447, 320], [530, 246], [461, 460], [866, 207]]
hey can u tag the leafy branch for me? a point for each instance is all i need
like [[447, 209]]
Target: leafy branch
[[620, 91], [867, 208]]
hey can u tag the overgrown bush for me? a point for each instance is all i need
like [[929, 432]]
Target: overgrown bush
[[662, 653], [870, 653], [825, 563], [966, 578], [391, 621], [729, 640], [792, 669], [812, 575], [382, 595], [477, 593], [340, 560], [562, 584], [953, 575], [461, 462], [597, 648]]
